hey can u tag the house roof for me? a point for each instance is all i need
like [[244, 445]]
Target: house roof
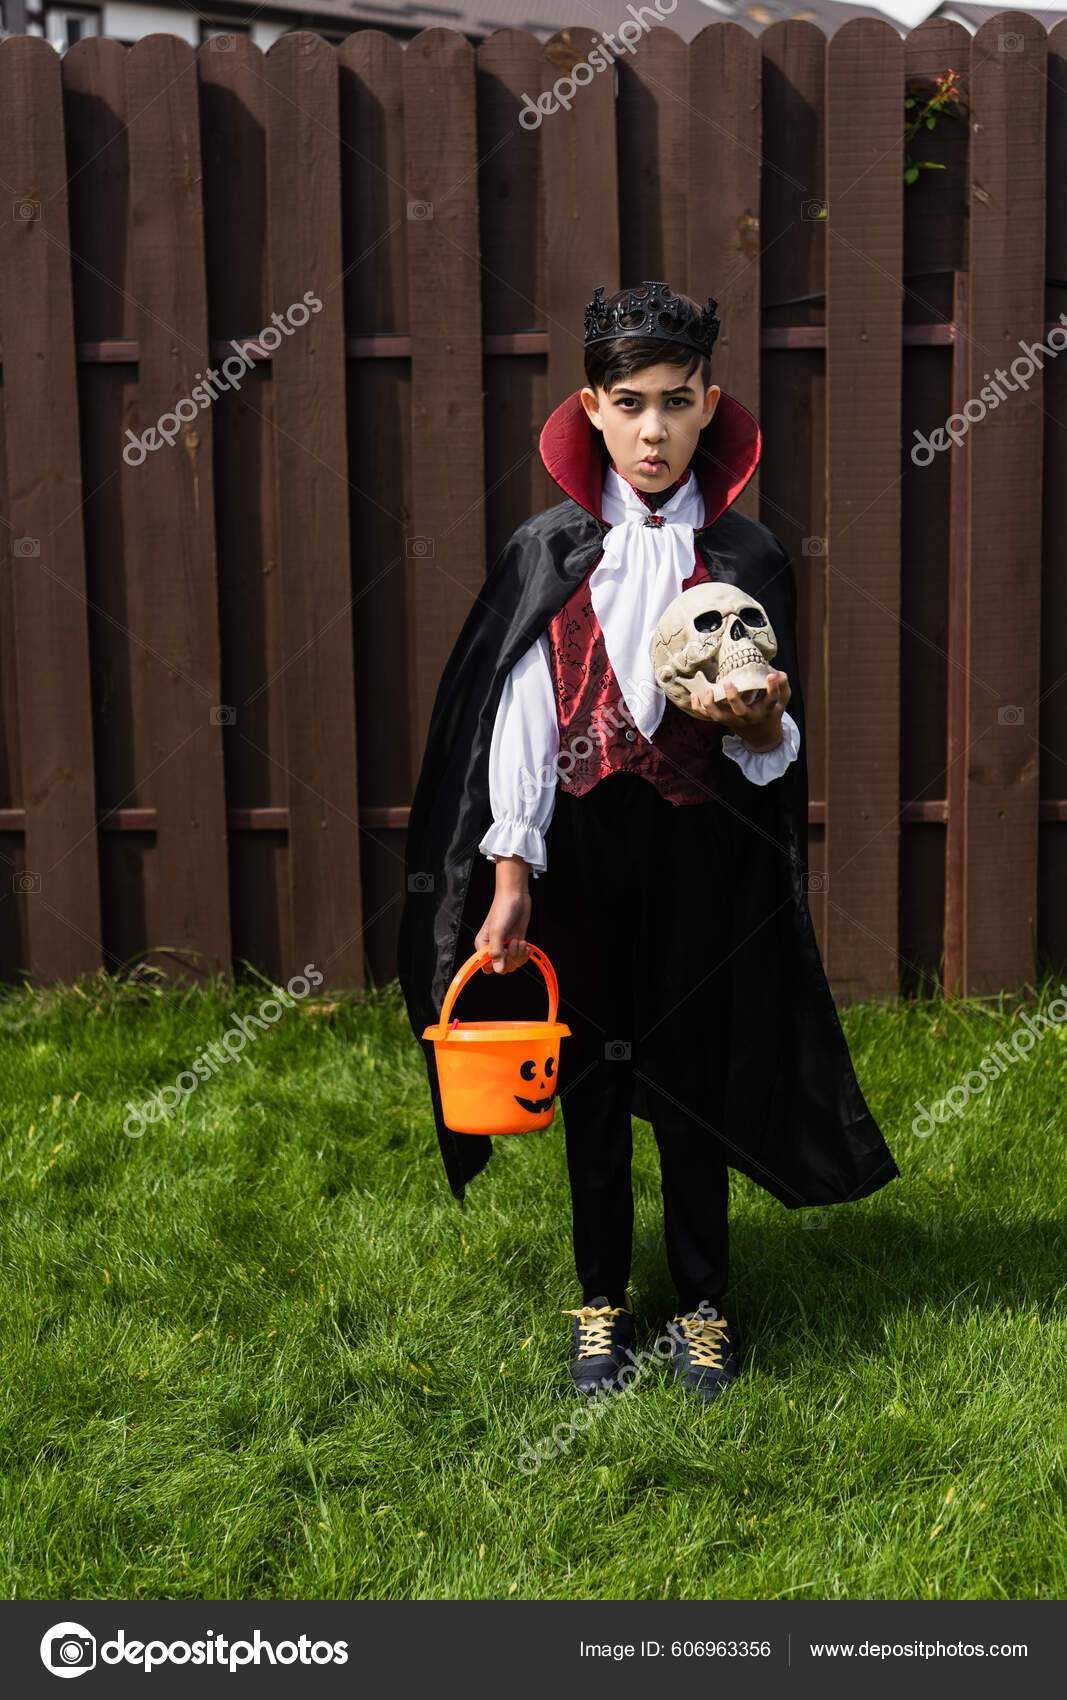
[[544, 18], [973, 17]]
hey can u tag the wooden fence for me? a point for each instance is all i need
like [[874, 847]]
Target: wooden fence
[[218, 663]]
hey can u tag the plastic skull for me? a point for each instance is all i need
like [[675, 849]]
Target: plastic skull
[[712, 632]]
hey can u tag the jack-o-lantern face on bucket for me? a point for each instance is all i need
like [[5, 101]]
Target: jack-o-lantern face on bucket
[[544, 1078]]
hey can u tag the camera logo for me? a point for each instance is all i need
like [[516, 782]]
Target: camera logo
[[67, 1649]]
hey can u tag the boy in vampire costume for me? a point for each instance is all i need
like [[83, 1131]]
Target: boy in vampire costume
[[669, 848]]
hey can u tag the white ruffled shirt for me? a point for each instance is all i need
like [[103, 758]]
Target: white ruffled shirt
[[641, 571]]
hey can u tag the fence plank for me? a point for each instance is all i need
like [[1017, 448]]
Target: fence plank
[[1052, 839], [580, 164], [864, 185], [652, 126], [933, 513], [59, 882], [792, 381], [252, 632], [105, 309], [1007, 262], [311, 474], [511, 192], [170, 498], [445, 553], [725, 144], [374, 229], [14, 950]]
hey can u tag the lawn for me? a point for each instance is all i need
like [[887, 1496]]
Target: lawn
[[260, 1352]]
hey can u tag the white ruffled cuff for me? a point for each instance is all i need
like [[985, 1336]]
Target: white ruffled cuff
[[761, 766], [510, 836]]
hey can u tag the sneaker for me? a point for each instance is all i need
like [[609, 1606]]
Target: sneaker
[[704, 1356], [603, 1343]]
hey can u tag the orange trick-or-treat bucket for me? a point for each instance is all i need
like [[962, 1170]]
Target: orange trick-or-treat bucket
[[497, 1076]]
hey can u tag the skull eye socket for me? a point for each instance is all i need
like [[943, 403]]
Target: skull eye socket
[[709, 622], [753, 617], [528, 1069], [549, 1066]]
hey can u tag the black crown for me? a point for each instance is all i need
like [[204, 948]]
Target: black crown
[[652, 310]]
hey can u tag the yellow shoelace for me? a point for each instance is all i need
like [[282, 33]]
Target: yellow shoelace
[[704, 1338], [594, 1329]]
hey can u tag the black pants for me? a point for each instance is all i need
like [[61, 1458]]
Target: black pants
[[634, 915]]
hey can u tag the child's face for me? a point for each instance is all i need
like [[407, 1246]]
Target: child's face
[[657, 412]]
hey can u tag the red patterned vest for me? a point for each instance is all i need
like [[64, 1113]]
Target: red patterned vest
[[597, 735]]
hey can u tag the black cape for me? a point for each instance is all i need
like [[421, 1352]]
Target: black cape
[[797, 1121]]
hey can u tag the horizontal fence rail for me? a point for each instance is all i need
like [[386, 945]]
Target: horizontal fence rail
[[278, 335]]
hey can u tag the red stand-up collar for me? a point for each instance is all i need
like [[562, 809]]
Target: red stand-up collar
[[726, 455]]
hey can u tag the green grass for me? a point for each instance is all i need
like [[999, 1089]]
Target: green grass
[[260, 1352]]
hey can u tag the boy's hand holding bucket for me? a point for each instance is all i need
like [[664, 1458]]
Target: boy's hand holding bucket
[[504, 932]]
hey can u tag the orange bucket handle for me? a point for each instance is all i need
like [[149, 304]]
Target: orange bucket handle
[[473, 963]]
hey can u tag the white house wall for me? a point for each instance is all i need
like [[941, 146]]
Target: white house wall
[[127, 22]]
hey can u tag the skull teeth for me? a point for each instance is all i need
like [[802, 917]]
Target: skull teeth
[[742, 658]]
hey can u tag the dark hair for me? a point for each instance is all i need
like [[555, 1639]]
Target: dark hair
[[609, 362]]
